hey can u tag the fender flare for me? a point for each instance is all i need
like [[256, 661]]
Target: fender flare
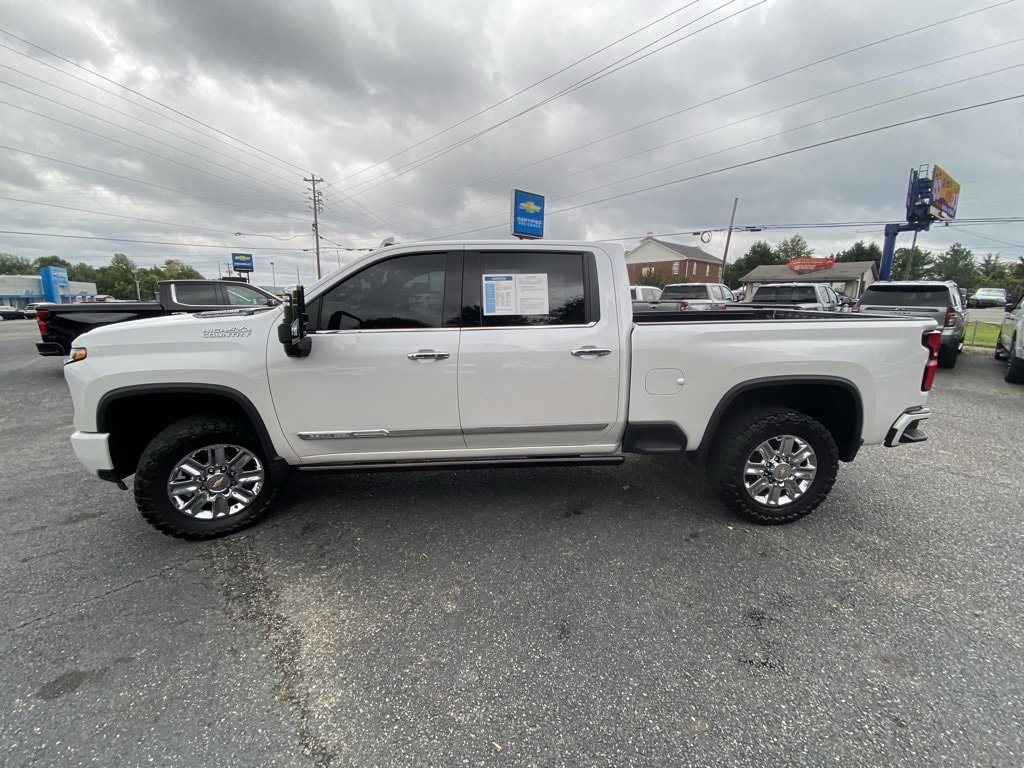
[[773, 381]]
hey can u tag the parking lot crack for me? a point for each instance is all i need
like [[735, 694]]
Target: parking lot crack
[[112, 591], [250, 599]]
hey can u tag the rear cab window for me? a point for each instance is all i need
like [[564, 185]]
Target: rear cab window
[[907, 296]]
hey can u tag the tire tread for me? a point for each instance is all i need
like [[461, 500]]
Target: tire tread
[[733, 444], [150, 491]]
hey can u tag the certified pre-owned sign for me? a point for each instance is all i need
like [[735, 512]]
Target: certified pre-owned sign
[[527, 214]]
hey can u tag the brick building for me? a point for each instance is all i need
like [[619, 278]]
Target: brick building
[[673, 263]]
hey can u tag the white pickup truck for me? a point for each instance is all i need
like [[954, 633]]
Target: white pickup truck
[[477, 354]]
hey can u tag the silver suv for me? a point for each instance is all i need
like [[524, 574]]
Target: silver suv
[[938, 300]]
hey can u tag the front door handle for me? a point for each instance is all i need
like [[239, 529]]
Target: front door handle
[[428, 354], [591, 352]]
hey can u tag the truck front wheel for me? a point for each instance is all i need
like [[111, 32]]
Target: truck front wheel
[[772, 465], [202, 477]]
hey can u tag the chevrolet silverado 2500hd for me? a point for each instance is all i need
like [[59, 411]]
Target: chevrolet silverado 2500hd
[[470, 354]]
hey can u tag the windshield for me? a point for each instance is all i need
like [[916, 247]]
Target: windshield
[[906, 296], [785, 293], [685, 292], [990, 292]]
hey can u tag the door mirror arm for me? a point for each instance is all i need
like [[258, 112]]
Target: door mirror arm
[[292, 332]]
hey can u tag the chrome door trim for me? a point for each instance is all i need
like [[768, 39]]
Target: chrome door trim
[[539, 428], [348, 434]]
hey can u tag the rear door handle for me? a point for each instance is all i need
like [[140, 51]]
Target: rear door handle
[[428, 354], [591, 352]]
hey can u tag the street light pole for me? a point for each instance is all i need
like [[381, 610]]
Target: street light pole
[[273, 274]]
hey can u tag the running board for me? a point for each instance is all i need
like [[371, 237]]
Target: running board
[[539, 461]]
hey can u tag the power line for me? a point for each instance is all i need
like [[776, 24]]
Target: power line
[[132, 117], [986, 237], [737, 91], [116, 215], [773, 156], [664, 168], [146, 151], [718, 128], [147, 98], [520, 92], [146, 183], [589, 80], [147, 242]]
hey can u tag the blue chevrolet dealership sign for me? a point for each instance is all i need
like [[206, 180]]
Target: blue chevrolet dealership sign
[[527, 214], [241, 262]]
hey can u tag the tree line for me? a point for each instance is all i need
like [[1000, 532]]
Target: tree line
[[956, 263], [122, 278]]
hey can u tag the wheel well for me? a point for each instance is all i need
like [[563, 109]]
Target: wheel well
[[133, 419], [835, 404]]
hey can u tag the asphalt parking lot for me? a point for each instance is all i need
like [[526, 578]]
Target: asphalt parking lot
[[557, 617]]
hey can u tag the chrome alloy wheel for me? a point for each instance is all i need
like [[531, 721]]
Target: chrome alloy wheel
[[780, 470], [215, 481]]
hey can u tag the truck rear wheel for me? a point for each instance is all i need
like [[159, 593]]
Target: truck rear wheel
[[772, 465], [202, 477]]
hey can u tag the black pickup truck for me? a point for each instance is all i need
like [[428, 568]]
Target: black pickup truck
[[61, 324]]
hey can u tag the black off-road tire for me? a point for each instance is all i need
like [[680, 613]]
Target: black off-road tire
[[174, 444], [737, 439], [947, 357]]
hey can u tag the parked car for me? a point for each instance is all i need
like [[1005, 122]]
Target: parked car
[[988, 297], [7, 312], [644, 292], [211, 412], [687, 297], [1010, 344], [30, 310], [803, 296], [938, 300]]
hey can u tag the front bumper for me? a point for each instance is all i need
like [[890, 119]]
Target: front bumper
[[907, 428], [92, 449], [49, 348]]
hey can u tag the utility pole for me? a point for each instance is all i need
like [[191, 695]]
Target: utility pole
[[317, 208], [273, 276], [728, 238], [910, 257]]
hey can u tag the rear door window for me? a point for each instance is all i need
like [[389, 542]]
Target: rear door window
[[196, 294], [529, 288]]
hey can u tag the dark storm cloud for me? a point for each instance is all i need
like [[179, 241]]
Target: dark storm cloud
[[337, 87]]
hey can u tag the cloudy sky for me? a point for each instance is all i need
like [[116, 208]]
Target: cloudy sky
[[181, 124]]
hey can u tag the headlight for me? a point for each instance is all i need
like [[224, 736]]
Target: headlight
[[77, 353]]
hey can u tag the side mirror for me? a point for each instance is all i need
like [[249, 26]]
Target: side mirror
[[292, 332]]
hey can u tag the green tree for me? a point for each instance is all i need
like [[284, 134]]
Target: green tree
[[15, 265], [957, 264], [50, 261], [650, 277], [759, 253], [993, 271], [82, 272], [921, 262], [794, 247], [860, 251], [173, 269], [118, 279]]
